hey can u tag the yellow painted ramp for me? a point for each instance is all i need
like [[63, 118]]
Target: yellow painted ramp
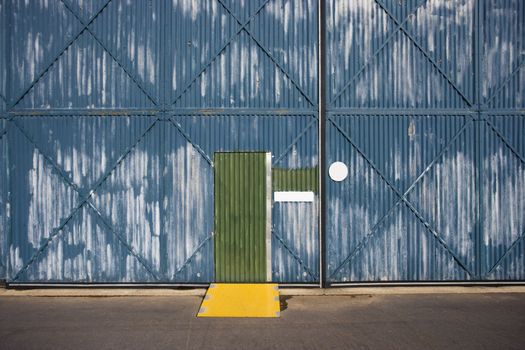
[[241, 300]]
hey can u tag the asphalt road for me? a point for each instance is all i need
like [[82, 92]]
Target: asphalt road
[[479, 321]]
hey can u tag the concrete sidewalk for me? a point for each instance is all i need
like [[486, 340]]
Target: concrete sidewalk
[[423, 321], [168, 292]]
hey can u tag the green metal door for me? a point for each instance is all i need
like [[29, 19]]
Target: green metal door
[[240, 216]]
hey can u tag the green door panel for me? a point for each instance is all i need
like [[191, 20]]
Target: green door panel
[[240, 217]]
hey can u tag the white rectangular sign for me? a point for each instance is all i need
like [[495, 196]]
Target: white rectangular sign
[[293, 196]]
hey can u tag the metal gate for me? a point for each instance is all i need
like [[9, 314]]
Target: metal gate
[[110, 119], [111, 114], [425, 107]]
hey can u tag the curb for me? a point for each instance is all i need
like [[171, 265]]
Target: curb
[[401, 290], [101, 292], [200, 292]]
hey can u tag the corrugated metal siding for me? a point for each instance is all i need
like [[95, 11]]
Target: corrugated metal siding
[[502, 149], [4, 201], [372, 63], [502, 171], [425, 105], [292, 140], [379, 236], [435, 185], [4, 163], [300, 179], [3, 57], [295, 241], [118, 108], [503, 50]]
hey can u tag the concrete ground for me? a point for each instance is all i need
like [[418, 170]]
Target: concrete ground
[[366, 321]]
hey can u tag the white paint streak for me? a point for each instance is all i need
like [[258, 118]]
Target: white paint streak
[[189, 205], [297, 225], [503, 204], [50, 201], [190, 8]]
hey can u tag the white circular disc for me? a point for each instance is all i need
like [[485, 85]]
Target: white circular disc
[[338, 171]]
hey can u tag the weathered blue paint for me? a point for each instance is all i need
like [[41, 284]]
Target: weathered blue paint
[[111, 113], [115, 110], [4, 200], [4, 164], [426, 108]]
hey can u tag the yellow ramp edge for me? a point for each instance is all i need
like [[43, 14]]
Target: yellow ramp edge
[[241, 300]]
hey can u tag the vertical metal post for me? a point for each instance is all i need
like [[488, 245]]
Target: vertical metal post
[[478, 131], [321, 52], [268, 217], [8, 91]]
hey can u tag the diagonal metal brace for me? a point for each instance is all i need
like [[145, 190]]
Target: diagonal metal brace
[[55, 59], [294, 142], [294, 255], [401, 198], [423, 51], [375, 54], [504, 139], [188, 260], [83, 201], [3, 133], [268, 53], [218, 53], [133, 78], [505, 82], [505, 255], [123, 241], [188, 139]]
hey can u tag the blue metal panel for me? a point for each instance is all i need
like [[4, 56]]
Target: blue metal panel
[[435, 185], [4, 203], [110, 147], [149, 215], [391, 219], [4, 172], [3, 56], [269, 63], [85, 76], [34, 44], [502, 149], [502, 172], [295, 242], [112, 113], [391, 54], [292, 140], [503, 54]]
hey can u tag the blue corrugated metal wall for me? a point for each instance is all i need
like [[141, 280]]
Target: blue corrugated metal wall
[[4, 179], [425, 106], [111, 113], [109, 124]]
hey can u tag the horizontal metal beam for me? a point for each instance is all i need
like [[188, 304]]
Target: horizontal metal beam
[[402, 111], [428, 284], [64, 112], [244, 111], [425, 111], [61, 112], [87, 285]]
